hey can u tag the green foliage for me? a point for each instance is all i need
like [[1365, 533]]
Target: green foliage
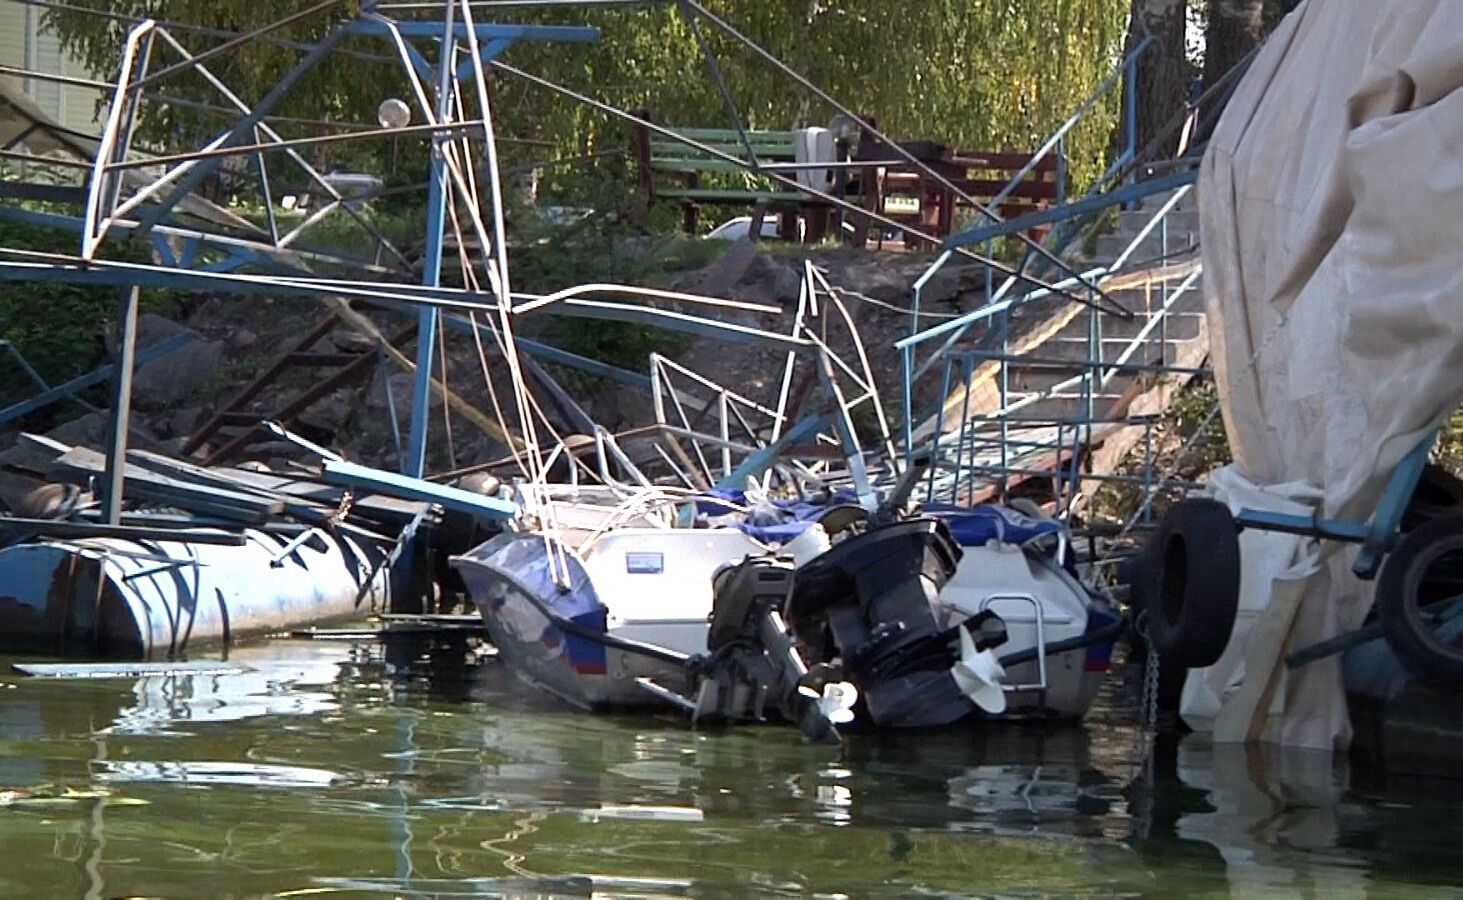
[[59, 328], [1448, 452], [970, 73]]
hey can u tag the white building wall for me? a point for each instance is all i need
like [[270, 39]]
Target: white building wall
[[25, 45]]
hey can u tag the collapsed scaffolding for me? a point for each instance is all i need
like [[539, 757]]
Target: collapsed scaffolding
[[1049, 418]]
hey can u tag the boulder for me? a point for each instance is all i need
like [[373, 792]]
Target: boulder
[[771, 279], [721, 277], [401, 390], [169, 379]]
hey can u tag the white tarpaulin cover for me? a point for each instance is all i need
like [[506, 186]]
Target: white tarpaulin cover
[[1332, 223]]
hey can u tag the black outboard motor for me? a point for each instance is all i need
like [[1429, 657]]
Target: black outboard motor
[[867, 604]]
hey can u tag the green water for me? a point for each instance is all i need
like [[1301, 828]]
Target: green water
[[342, 769]]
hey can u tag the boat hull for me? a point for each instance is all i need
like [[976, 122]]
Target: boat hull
[[546, 634]]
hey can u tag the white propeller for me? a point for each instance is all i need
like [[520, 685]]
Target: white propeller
[[978, 675], [836, 702]]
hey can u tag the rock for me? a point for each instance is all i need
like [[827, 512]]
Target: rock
[[332, 412], [484, 483], [721, 277], [770, 279], [89, 430], [241, 339], [48, 501], [14, 488], [174, 376], [891, 285], [401, 389], [176, 423]]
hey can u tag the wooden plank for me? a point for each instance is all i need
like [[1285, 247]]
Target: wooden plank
[[80, 464], [1030, 190], [419, 630], [128, 670], [661, 164], [186, 471], [734, 147], [307, 509], [715, 195], [1006, 160], [707, 135]]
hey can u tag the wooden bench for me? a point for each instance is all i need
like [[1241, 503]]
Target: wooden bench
[[889, 186], [670, 170], [906, 194]]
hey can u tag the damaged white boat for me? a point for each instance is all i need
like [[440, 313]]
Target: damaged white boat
[[723, 625]]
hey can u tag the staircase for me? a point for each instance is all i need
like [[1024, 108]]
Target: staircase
[[1082, 382]]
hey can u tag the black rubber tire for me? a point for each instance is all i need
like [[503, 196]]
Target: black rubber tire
[[1403, 578], [1191, 585]]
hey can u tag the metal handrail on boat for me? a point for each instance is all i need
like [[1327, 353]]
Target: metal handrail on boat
[[1041, 681]]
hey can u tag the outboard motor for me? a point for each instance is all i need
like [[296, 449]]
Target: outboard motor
[[867, 605], [752, 666]]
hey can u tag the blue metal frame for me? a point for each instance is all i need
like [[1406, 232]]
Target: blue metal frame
[[416, 446], [346, 474], [495, 38], [755, 464], [94, 377], [1377, 537]]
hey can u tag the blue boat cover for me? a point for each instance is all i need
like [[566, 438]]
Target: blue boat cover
[[977, 525], [776, 522], [783, 520]]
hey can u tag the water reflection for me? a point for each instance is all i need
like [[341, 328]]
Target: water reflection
[[423, 770]]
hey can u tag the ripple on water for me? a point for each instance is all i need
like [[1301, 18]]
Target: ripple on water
[[326, 769]]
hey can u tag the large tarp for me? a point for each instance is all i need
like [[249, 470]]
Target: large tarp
[[1331, 202]]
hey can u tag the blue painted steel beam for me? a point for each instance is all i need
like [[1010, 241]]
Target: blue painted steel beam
[[802, 430], [416, 446], [347, 474], [1122, 195], [1307, 526], [1387, 520], [80, 383], [1377, 537], [490, 51], [486, 31]]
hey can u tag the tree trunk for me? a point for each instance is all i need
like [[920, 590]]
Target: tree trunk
[[1235, 28], [1163, 75]]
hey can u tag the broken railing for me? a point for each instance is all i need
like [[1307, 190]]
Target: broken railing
[[991, 430]]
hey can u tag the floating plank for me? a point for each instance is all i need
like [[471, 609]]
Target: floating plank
[[406, 487], [387, 633], [81, 464], [54, 528], [433, 618], [128, 670], [309, 510]]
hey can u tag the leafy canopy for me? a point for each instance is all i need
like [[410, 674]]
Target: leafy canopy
[[986, 74]]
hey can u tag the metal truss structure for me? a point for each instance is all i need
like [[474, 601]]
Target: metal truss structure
[[443, 52]]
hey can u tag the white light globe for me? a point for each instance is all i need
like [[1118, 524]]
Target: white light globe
[[393, 113]]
